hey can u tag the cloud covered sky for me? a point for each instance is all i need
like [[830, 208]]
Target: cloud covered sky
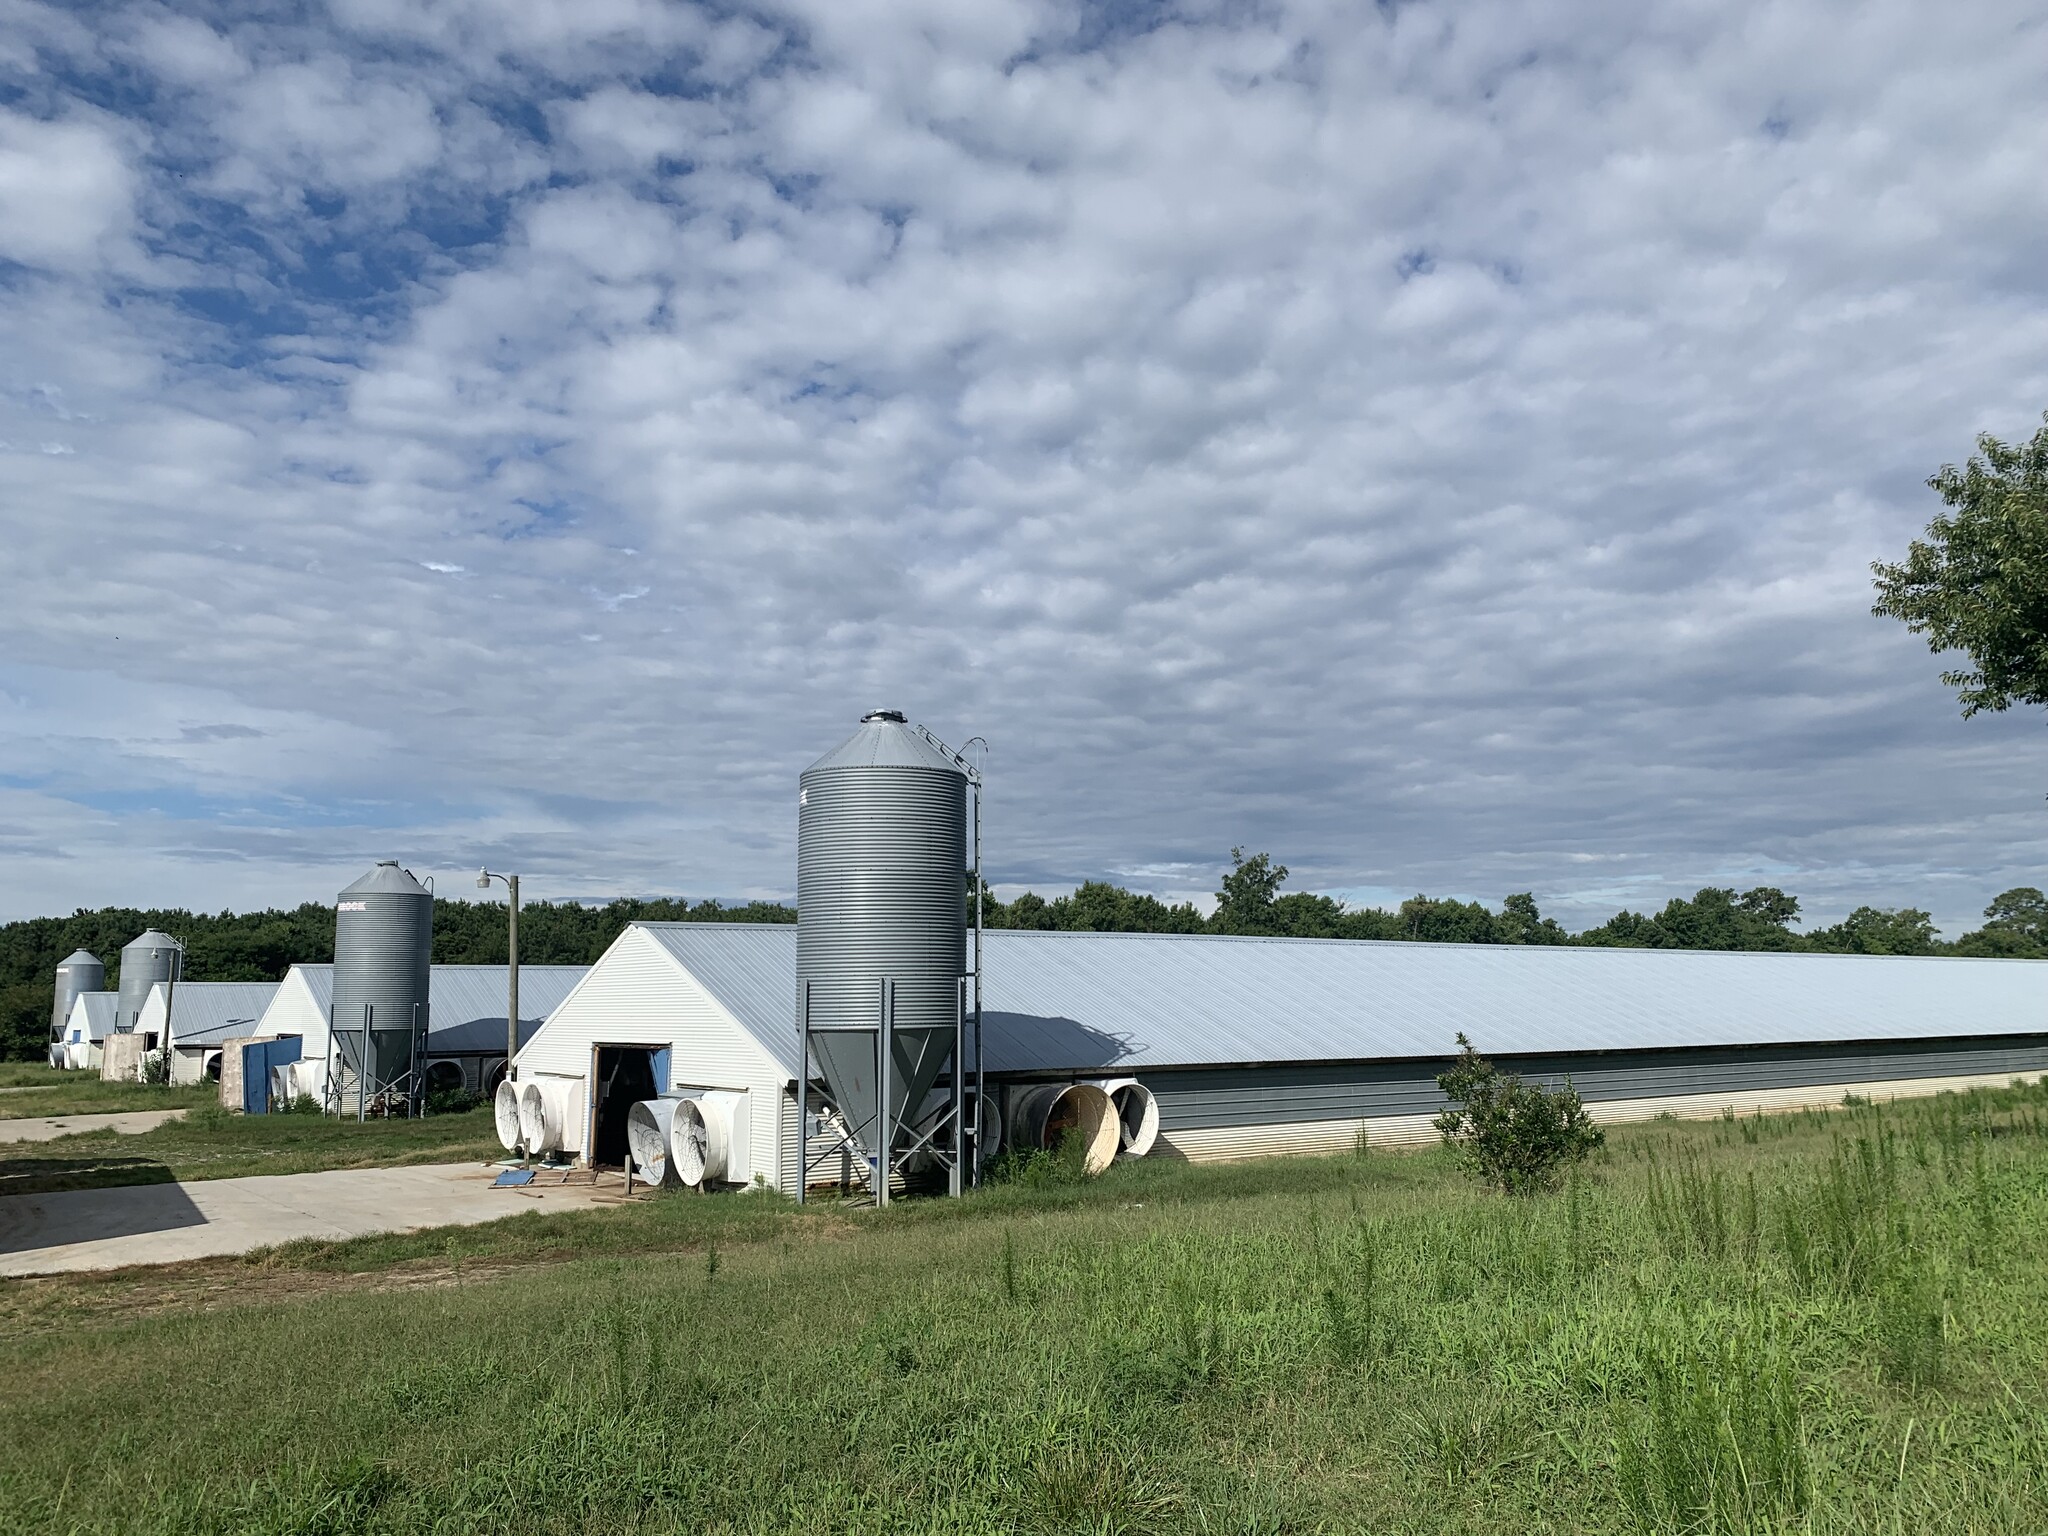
[[1441, 444]]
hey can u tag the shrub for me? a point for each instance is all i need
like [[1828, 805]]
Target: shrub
[[1512, 1134], [451, 1101], [1039, 1169]]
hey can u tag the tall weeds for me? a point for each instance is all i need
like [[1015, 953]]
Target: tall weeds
[[1719, 1445]]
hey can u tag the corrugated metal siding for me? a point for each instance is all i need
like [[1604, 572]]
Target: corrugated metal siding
[[1225, 1143], [1095, 1003], [1284, 1095], [638, 995]]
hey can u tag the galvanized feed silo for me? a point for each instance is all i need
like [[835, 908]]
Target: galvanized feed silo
[[148, 958], [82, 972], [383, 953], [881, 860]]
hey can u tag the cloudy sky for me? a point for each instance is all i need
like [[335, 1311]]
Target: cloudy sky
[[1441, 444]]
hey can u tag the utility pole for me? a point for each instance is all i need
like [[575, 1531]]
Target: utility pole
[[483, 883]]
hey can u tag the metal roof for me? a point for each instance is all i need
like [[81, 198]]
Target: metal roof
[[208, 1012], [467, 1002], [1085, 1001], [99, 1013], [386, 878], [884, 741]]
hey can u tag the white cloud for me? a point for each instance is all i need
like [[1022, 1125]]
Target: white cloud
[[65, 192], [1443, 450]]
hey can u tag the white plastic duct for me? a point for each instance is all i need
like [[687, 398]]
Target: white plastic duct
[[505, 1110], [1137, 1115], [1040, 1117], [708, 1139], [991, 1122], [544, 1113], [647, 1140]]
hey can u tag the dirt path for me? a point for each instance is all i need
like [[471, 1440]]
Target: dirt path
[[88, 1229]]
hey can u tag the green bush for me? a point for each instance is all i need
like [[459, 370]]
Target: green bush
[[1039, 1169], [1509, 1133]]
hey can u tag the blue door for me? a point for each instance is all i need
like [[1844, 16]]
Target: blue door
[[258, 1057]]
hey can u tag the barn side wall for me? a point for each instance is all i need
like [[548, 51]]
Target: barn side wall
[[1259, 1111]]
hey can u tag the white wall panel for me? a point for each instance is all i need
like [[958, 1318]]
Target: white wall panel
[[639, 994]]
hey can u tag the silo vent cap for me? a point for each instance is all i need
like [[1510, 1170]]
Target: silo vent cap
[[895, 715]]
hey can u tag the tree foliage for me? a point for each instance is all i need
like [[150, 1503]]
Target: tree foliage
[[1515, 1135], [262, 946], [1978, 582]]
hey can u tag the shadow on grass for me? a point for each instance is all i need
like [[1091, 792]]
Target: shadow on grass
[[53, 1175]]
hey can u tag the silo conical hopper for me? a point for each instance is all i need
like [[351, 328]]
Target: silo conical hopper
[[881, 896]]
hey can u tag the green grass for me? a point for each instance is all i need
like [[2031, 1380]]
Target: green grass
[[1819, 1323], [29, 1074], [210, 1143], [82, 1093]]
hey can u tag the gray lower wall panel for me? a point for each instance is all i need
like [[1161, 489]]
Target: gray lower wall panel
[[1206, 1098]]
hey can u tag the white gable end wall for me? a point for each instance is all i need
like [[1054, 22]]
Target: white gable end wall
[[640, 994], [295, 1012]]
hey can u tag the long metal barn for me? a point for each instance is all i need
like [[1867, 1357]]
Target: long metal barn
[[1252, 1047]]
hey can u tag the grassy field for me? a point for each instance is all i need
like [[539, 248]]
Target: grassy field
[[27, 1090], [210, 1143], [1818, 1323]]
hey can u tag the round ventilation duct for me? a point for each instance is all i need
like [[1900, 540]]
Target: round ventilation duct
[[544, 1114], [1137, 1115], [505, 1111], [706, 1139], [1040, 1118], [647, 1140]]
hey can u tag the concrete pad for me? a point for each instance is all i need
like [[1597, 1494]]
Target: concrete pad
[[34, 1088], [50, 1127], [82, 1229]]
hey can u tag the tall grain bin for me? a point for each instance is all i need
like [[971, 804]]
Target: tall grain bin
[[148, 958], [383, 952], [881, 860], [82, 972]]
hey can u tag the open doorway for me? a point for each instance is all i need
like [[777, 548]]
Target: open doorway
[[625, 1076]]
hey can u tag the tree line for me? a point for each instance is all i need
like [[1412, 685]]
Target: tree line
[[1251, 901], [262, 946]]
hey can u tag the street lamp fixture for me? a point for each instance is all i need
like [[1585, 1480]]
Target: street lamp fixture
[[511, 883]]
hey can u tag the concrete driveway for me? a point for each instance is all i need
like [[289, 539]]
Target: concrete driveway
[[82, 1229], [50, 1127]]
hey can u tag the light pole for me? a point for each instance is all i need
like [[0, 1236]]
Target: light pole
[[483, 883]]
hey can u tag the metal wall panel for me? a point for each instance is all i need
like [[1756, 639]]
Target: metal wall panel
[[1283, 1095]]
